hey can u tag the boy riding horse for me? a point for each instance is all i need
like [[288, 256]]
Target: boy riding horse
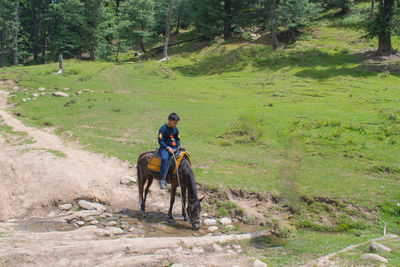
[[169, 140]]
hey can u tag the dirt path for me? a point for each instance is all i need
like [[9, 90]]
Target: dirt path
[[39, 172]]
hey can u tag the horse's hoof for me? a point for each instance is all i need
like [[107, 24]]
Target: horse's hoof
[[185, 219]]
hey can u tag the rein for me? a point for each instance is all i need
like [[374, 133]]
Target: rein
[[179, 183]]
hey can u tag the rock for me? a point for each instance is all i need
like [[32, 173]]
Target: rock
[[231, 252], [229, 227], [52, 214], [177, 265], [67, 206], [210, 222], [258, 263], [107, 214], [128, 179], [112, 223], [376, 247], [66, 89], [225, 221], [179, 250], [35, 95], [213, 229], [80, 223], [42, 94], [374, 257], [81, 214], [204, 214], [91, 206], [236, 246], [42, 89], [115, 230], [94, 222], [79, 92], [61, 94], [217, 248], [198, 250]]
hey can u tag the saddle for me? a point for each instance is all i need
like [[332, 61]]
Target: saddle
[[155, 162]]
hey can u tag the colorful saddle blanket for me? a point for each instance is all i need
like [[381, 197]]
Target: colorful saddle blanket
[[155, 161]]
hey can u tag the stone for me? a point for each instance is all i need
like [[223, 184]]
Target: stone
[[60, 94], [66, 89], [35, 95], [231, 252], [52, 213], [94, 222], [107, 214], [128, 179], [210, 222], [42, 94], [374, 257], [236, 246], [67, 206], [91, 206], [229, 227], [225, 221], [81, 214], [115, 230], [198, 250], [79, 92], [80, 223], [213, 229], [42, 89], [258, 263], [179, 250], [177, 265], [376, 247], [217, 248], [112, 223], [204, 214]]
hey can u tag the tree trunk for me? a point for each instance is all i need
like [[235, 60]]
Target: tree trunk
[[142, 46], [275, 43], [60, 63], [385, 40], [167, 31], [91, 52], [227, 20], [16, 28], [178, 21], [372, 14], [3, 37]]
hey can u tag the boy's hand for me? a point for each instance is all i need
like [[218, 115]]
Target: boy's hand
[[170, 150]]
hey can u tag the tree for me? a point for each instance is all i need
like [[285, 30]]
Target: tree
[[383, 26], [344, 5], [6, 18], [136, 22], [217, 17], [372, 14], [16, 25], [168, 29]]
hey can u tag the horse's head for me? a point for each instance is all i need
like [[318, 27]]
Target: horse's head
[[193, 211]]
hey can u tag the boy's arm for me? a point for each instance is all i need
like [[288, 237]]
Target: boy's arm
[[178, 138], [161, 138]]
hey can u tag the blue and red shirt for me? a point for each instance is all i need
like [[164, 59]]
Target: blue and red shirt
[[168, 137]]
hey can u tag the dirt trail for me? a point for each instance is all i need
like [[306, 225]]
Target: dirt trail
[[39, 171]]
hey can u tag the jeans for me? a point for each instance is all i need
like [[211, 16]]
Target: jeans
[[164, 162]]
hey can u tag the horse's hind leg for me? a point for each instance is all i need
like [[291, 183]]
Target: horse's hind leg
[[149, 182], [171, 203]]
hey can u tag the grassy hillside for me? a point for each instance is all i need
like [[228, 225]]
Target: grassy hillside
[[313, 120]]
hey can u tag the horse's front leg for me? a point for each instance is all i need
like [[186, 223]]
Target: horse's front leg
[[183, 195], [171, 203]]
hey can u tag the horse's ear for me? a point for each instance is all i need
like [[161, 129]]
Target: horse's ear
[[201, 199]]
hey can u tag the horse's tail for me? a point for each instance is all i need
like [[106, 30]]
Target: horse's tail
[[140, 184]]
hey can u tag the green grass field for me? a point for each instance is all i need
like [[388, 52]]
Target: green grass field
[[309, 120]]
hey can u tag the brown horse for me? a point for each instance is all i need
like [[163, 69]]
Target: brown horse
[[188, 184]]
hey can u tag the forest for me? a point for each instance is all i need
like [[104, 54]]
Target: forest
[[39, 31]]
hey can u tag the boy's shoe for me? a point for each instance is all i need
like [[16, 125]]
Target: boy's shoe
[[163, 184]]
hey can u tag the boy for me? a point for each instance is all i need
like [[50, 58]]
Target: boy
[[168, 138]]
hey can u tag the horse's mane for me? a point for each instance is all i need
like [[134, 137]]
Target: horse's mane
[[191, 182]]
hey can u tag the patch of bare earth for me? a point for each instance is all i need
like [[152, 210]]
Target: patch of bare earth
[[373, 62], [42, 223]]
